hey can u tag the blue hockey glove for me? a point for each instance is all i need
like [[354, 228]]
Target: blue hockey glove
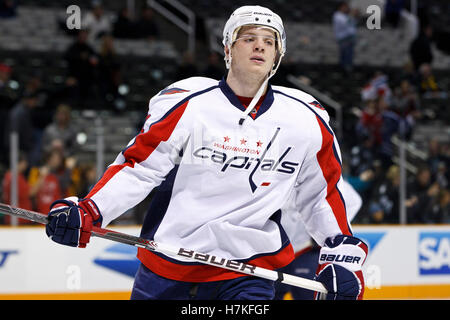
[[340, 263], [70, 221]]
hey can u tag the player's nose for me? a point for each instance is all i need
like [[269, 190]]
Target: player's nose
[[259, 44]]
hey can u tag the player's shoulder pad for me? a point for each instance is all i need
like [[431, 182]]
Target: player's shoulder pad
[[184, 88], [178, 91], [194, 83], [305, 100]]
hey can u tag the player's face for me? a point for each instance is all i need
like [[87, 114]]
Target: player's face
[[254, 50]]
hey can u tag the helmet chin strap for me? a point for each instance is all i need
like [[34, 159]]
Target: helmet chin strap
[[259, 92], [254, 101]]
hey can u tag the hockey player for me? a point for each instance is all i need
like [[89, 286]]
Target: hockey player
[[225, 156]]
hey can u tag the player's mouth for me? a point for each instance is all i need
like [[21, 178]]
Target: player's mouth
[[257, 59]]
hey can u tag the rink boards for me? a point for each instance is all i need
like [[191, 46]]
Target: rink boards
[[410, 262]]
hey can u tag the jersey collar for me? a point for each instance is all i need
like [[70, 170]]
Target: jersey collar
[[234, 100]]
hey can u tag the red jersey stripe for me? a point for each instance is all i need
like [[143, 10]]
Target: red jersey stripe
[[109, 173], [331, 170], [143, 146], [160, 131]]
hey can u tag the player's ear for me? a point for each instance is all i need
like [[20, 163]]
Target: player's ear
[[227, 57], [226, 50]]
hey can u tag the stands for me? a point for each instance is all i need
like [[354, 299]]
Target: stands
[[34, 42]]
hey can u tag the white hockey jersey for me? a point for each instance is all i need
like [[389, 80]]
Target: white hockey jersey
[[222, 185], [292, 219]]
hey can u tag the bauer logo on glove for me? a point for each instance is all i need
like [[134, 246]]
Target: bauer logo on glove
[[339, 258], [340, 262]]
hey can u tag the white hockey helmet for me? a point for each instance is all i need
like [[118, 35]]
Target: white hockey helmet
[[254, 15]]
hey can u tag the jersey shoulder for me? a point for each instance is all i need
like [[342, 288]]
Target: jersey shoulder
[[305, 100], [191, 85], [178, 92], [186, 87]]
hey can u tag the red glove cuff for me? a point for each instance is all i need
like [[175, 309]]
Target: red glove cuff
[[91, 217]]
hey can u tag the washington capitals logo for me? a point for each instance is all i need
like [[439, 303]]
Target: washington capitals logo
[[317, 105], [172, 91], [245, 162]]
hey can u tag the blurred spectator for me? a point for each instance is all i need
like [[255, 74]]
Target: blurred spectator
[[61, 129], [109, 70], [429, 88], [406, 100], [392, 10], [406, 103], [82, 66], [377, 87], [88, 176], [96, 22], [214, 69], [68, 93], [8, 97], [380, 120], [20, 121], [344, 27], [82, 178], [420, 49], [41, 115], [45, 181], [8, 8], [439, 210], [375, 95], [7, 94], [124, 27], [421, 192], [442, 175], [368, 128], [146, 26], [436, 156], [361, 159], [66, 167], [24, 199], [66, 170], [363, 179], [34, 85], [384, 207], [391, 124], [409, 74]]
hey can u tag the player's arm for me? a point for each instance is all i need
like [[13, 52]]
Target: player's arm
[[137, 170], [321, 202]]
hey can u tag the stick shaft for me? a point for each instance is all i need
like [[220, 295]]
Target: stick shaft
[[178, 252]]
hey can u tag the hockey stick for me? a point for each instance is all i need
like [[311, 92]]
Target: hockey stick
[[180, 252]]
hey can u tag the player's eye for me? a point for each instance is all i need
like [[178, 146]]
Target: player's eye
[[268, 41], [248, 38]]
